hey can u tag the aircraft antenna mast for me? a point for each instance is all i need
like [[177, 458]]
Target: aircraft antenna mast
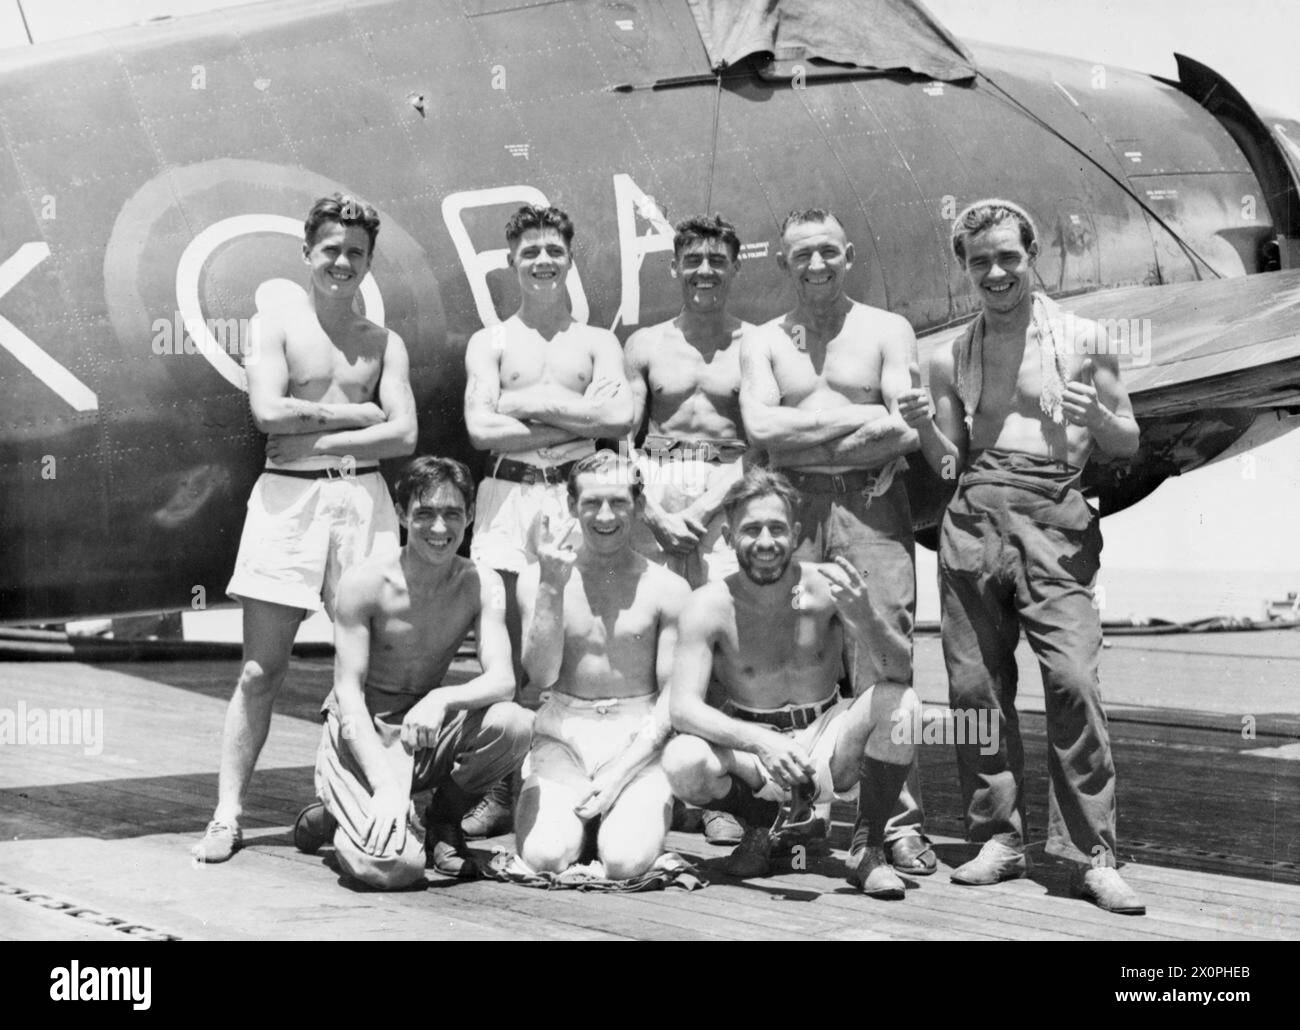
[[26, 28]]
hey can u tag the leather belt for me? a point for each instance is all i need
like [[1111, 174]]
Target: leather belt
[[851, 482], [792, 717], [522, 472], [325, 473], [720, 451]]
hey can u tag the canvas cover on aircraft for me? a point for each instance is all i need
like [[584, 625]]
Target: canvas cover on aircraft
[[881, 35]]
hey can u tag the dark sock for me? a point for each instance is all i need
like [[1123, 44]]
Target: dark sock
[[450, 802], [740, 801], [878, 790]]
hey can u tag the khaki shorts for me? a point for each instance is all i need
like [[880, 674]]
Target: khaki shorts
[[301, 535], [818, 739], [675, 485], [573, 738]]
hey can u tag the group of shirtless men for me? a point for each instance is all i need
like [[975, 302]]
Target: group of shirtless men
[[721, 614]]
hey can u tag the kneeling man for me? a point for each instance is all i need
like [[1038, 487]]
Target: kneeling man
[[391, 730], [772, 635], [600, 628]]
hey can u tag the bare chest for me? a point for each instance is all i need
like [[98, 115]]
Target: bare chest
[[681, 375], [320, 369], [846, 368], [560, 361]]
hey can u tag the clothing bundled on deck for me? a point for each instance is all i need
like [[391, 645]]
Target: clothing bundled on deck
[[1020, 547]]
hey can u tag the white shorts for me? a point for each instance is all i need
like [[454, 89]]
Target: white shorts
[[300, 535], [675, 485], [573, 738], [818, 739], [507, 522]]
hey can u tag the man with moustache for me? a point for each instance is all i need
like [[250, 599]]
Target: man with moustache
[[772, 635], [819, 391], [600, 630], [331, 390], [685, 379], [540, 389], [392, 728], [1020, 401]]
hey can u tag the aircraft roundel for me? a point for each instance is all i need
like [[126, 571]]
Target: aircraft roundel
[[198, 250]]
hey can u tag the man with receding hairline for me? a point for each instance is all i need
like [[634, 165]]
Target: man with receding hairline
[[1020, 400], [819, 391]]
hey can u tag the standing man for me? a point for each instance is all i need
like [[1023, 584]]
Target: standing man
[[685, 378], [540, 390], [819, 391], [332, 391], [391, 729], [1022, 397], [600, 628], [772, 634]]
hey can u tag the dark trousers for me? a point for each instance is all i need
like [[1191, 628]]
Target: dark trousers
[[1019, 549], [875, 535]]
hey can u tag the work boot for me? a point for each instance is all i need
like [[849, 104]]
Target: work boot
[[492, 816], [870, 873], [1106, 889], [995, 862], [313, 829], [220, 840], [752, 858], [444, 843]]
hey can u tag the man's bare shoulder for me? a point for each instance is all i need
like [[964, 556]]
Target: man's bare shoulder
[[668, 589], [369, 582], [710, 609], [878, 321], [762, 337], [641, 345]]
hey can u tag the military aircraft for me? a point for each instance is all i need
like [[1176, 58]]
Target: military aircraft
[[153, 180]]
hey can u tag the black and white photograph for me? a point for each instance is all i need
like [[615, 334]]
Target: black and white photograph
[[660, 470]]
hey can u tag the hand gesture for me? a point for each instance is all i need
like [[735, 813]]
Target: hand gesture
[[386, 833], [1080, 404], [848, 591], [677, 532], [422, 723], [916, 407], [785, 761], [554, 558]]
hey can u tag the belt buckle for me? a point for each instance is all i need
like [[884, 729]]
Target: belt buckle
[[529, 477], [799, 718], [603, 707], [837, 481]]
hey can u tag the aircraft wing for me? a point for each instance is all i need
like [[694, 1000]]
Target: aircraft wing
[[1222, 343], [1188, 347]]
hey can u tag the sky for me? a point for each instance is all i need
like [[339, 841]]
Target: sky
[[1230, 517]]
